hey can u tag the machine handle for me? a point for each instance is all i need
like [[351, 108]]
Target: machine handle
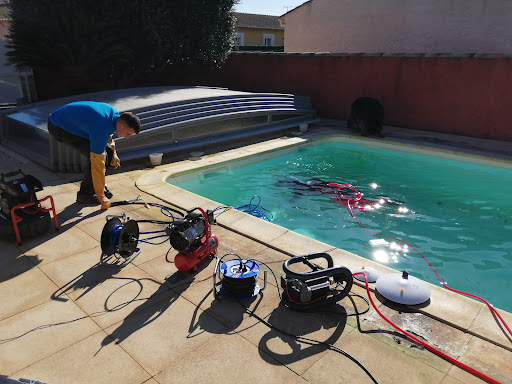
[[316, 270]]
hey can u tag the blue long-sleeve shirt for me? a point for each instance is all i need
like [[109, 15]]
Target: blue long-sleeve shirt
[[88, 119]]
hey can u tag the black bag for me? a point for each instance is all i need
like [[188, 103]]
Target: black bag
[[17, 188]]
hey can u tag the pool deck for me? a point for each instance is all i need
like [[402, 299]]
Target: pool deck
[[66, 319]]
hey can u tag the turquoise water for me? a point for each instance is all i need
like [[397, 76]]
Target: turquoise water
[[459, 214]]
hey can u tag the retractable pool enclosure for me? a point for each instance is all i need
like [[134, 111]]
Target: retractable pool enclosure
[[173, 119]]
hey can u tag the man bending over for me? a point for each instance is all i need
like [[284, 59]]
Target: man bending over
[[88, 127]]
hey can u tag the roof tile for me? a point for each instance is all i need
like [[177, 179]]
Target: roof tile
[[251, 20]]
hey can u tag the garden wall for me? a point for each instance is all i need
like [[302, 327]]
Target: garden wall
[[467, 95]]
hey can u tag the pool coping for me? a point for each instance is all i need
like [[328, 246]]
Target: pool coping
[[450, 308]]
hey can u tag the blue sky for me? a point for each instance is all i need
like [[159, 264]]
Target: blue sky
[[267, 7]]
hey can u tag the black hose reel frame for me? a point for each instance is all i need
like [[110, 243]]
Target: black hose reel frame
[[317, 279]]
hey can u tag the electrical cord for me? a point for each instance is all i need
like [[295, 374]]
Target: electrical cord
[[311, 342], [137, 201], [305, 339], [100, 313], [297, 337]]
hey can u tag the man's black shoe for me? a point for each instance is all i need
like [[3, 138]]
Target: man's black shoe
[[87, 199]]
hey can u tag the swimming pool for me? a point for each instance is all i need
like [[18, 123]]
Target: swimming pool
[[457, 213]]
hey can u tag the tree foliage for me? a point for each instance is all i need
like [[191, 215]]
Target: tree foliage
[[119, 38]]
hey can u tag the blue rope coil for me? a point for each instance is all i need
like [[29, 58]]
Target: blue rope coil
[[252, 209], [256, 210]]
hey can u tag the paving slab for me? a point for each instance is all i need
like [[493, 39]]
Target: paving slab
[[26, 291], [63, 330], [86, 362], [362, 355], [241, 363], [163, 333]]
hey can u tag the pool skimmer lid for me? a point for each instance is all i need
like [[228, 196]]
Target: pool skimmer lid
[[403, 289], [372, 274]]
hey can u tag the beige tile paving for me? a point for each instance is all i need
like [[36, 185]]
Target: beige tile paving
[[422, 327], [44, 342], [241, 363], [12, 261], [108, 294], [163, 333], [486, 358], [80, 274], [385, 363], [486, 324], [327, 327], [296, 244], [86, 362], [58, 245], [26, 291]]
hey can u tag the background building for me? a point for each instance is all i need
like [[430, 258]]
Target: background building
[[400, 26], [254, 32]]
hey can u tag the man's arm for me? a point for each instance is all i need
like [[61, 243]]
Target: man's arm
[[98, 177]]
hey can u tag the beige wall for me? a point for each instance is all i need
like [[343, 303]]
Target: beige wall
[[255, 36], [400, 26]]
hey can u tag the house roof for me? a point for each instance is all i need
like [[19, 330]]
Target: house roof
[[251, 20], [5, 12]]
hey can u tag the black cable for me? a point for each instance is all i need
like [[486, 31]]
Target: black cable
[[238, 287], [309, 341], [302, 338], [161, 206], [100, 313]]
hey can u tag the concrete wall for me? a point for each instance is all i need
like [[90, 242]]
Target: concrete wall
[[400, 26], [460, 95]]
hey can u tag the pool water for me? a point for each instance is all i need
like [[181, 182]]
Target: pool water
[[458, 214]]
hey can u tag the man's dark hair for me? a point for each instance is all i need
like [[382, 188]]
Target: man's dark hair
[[131, 120]]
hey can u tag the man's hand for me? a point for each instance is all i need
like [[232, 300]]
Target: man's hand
[[105, 203], [116, 163]]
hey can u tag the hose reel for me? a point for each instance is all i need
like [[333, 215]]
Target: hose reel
[[319, 286], [119, 240], [238, 279]]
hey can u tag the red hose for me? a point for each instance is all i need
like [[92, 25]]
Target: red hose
[[356, 201], [428, 346]]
